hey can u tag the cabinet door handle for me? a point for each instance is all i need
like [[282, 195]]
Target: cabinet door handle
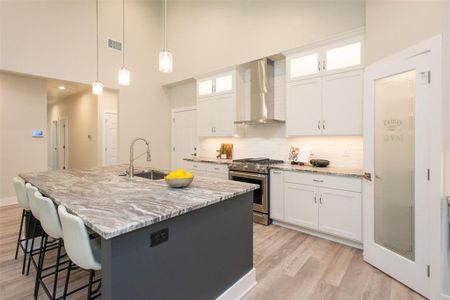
[[323, 124], [320, 199], [318, 66], [318, 124], [317, 180], [276, 172], [324, 65], [315, 198]]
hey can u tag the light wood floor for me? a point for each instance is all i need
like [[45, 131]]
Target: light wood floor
[[289, 265]]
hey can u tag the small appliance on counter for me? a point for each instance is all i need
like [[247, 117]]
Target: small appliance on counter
[[299, 156], [319, 163]]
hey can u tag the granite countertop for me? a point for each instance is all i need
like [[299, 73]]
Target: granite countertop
[[351, 172], [327, 171], [209, 160], [112, 205]]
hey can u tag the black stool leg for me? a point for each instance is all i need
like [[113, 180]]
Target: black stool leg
[[91, 277], [40, 264], [58, 256], [28, 214], [32, 246], [66, 284], [19, 236]]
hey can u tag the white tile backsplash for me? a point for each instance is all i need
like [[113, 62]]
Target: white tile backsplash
[[269, 140]]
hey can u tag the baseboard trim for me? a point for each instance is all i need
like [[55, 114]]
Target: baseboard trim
[[320, 235], [241, 287], [8, 201]]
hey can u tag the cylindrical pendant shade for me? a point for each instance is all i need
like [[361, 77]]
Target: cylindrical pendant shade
[[124, 76], [97, 88], [165, 61]]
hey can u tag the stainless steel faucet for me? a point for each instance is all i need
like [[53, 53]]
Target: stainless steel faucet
[[132, 159]]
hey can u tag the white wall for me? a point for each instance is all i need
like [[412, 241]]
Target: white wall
[[23, 108], [56, 39], [208, 35]]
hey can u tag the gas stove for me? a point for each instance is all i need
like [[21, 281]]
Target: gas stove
[[259, 165]]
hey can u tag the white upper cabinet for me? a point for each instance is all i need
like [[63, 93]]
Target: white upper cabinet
[[217, 84], [217, 97], [342, 101], [325, 89], [304, 107], [205, 87], [340, 56], [343, 57], [303, 65]]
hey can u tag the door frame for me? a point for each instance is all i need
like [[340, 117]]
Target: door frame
[[104, 134], [172, 130], [66, 141], [437, 248]]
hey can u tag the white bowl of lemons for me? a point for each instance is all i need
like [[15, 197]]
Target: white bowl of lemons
[[179, 179]]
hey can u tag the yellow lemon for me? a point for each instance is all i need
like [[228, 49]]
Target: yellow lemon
[[188, 175]]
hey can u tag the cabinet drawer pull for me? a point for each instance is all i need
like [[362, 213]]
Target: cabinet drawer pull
[[276, 172], [317, 180]]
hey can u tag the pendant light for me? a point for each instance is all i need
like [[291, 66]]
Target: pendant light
[[165, 57], [97, 86], [124, 74]]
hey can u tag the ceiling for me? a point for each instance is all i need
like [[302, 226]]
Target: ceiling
[[54, 93]]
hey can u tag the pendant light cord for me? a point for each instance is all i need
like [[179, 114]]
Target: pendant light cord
[[165, 25], [123, 33], [96, 19]]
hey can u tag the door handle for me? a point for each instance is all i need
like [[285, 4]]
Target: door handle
[[318, 124], [320, 199], [315, 198], [317, 180], [318, 66], [323, 124]]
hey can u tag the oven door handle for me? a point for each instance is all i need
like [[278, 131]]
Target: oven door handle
[[246, 175]]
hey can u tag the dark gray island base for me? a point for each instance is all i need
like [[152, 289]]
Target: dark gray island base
[[207, 251]]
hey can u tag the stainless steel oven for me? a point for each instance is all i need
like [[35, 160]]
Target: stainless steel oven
[[256, 171], [260, 196]]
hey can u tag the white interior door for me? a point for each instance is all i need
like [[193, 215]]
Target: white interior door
[[184, 132], [396, 200], [110, 128], [63, 143], [54, 145]]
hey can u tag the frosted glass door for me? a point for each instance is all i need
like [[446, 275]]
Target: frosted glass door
[[394, 162], [305, 65]]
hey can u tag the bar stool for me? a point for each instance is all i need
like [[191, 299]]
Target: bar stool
[[22, 198], [31, 190], [52, 228], [83, 251]]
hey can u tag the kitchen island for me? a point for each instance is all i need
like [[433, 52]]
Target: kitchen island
[[208, 253]]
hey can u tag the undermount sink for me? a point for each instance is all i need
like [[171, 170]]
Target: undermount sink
[[151, 174]]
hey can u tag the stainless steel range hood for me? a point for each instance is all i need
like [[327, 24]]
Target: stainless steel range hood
[[262, 93]]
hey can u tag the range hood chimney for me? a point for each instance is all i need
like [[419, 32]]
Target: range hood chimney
[[262, 93]]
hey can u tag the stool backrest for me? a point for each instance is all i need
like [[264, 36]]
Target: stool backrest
[[21, 193], [76, 240], [31, 190], [48, 216]]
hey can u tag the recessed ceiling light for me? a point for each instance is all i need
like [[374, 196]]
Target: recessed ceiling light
[[61, 87]]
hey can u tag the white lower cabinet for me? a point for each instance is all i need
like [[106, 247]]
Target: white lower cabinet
[[276, 195], [340, 213], [300, 205], [207, 169], [323, 203]]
